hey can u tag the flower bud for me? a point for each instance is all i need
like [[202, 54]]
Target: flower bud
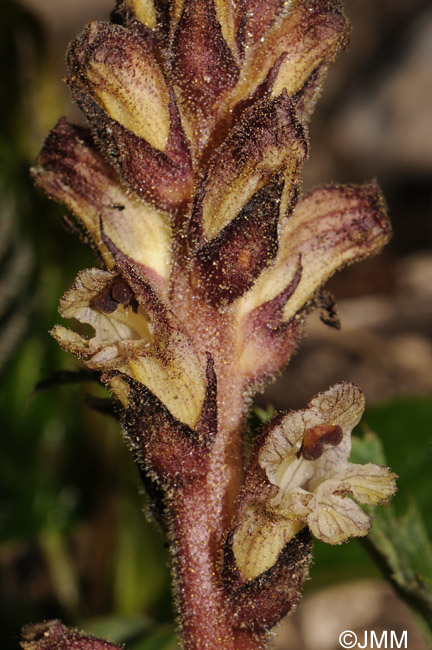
[[329, 228], [71, 171], [52, 635], [118, 83]]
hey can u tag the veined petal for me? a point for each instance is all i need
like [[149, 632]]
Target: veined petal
[[369, 484], [281, 445], [342, 405], [70, 340], [71, 171], [294, 504], [268, 140], [335, 519], [330, 417], [329, 228]]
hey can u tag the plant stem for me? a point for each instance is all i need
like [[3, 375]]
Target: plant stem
[[201, 597]]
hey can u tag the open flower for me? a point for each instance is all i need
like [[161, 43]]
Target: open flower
[[135, 338], [307, 479]]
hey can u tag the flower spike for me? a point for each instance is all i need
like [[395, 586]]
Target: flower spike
[[186, 183]]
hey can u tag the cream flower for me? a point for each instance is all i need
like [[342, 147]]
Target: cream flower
[[307, 481], [135, 339]]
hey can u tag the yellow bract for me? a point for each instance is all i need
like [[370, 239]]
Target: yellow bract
[[135, 95], [224, 200], [230, 186], [260, 538], [141, 232], [145, 12], [178, 383]]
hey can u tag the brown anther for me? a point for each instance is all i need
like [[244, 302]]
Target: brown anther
[[121, 292], [104, 302], [316, 437]]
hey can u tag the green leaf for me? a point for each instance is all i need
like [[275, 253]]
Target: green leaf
[[139, 552], [399, 544], [118, 629], [163, 638], [404, 427], [263, 415], [368, 449]]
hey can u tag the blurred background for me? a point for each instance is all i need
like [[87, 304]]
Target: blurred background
[[74, 542]]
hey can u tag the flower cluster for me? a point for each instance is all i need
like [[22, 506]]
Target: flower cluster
[[186, 185]]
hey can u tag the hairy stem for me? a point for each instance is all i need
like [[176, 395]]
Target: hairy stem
[[201, 515], [201, 597]]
